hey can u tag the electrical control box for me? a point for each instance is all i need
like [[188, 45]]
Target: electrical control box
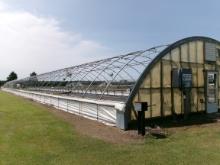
[[185, 78], [181, 78]]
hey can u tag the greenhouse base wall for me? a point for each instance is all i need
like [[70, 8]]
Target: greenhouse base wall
[[102, 111]]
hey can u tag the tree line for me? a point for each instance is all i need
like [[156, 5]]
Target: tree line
[[13, 76]]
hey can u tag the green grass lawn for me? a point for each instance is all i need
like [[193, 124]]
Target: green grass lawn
[[31, 135]]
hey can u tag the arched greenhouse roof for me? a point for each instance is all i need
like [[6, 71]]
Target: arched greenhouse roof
[[116, 78], [111, 78]]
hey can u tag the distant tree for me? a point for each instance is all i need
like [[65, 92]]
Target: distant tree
[[2, 83], [33, 74], [12, 76]]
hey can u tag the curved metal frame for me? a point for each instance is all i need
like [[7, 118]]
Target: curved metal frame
[[112, 74]]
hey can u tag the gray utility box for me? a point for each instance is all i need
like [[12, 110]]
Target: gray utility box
[[181, 78], [122, 119]]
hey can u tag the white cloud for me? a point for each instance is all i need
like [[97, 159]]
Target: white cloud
[[32, 43], [3, 6]]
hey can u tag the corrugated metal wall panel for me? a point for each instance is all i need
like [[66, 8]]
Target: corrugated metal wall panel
[[107, 114], [73, 107], [89, 110]]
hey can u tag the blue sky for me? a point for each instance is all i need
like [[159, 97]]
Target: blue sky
[[119, 26]]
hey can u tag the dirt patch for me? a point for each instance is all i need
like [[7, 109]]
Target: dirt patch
[[98, 130], [95, 129], [114, 135]]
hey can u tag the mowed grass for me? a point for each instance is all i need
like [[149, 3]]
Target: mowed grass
[[29, 134]]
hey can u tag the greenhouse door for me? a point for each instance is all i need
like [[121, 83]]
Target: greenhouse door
[[211, 92]]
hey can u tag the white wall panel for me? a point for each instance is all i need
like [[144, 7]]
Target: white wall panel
[[104, 112]]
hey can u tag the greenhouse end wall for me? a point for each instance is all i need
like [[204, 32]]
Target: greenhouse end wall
[[156, 86]]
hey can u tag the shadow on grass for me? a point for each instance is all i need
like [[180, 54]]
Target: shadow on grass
[[178, 121]]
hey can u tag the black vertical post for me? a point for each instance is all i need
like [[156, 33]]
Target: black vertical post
[[139, 122], [144, 107], [141, 119], [187, 104]]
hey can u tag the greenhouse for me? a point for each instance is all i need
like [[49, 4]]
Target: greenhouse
[[176, 79]]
